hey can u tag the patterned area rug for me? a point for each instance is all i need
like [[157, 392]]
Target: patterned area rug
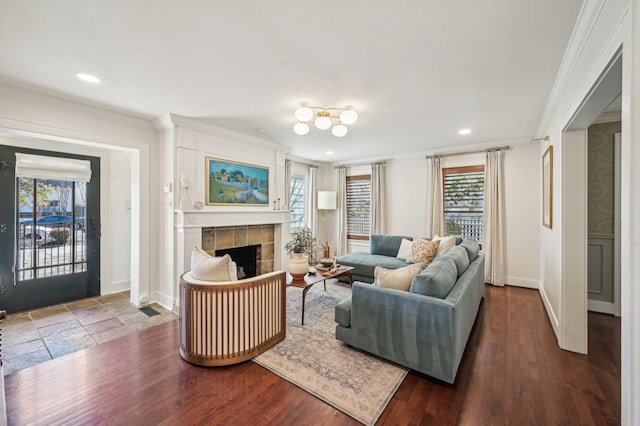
[[310, 357]]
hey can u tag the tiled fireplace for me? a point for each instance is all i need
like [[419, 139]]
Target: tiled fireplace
[[224, 238], [215, 230]]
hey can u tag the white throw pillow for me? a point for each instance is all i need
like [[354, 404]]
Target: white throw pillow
[[399, 279], [445, 243], [405, 249], [209, 268]]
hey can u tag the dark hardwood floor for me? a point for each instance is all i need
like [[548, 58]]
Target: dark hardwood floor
[[512, 373]]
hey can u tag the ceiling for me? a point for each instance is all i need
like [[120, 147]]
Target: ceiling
[[415, 71]]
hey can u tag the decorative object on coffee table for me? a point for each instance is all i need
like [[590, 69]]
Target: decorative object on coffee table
[[309, 280], [301, 250], [298, 265]]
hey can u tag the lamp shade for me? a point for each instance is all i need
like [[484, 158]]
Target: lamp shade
[[326, 200]]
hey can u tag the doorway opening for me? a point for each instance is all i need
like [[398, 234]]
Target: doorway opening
[[603, 96]]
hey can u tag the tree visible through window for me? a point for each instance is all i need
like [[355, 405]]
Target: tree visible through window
[[358, 207], [463, 196], [51, 228], [297, 202]]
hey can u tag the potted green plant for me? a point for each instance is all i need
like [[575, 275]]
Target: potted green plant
[[301, 250]]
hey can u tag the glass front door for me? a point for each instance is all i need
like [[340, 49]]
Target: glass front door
[[50, 243]]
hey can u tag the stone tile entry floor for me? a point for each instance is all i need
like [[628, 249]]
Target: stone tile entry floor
[[29, 338]]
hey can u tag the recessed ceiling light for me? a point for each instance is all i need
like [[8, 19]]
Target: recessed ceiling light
[[88, 78], [464, 131], [329, 152]]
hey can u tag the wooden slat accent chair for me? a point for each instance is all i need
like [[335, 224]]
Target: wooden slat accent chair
[[229, 322]]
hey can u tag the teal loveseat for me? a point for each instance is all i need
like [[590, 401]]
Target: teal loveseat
[[416, 328]]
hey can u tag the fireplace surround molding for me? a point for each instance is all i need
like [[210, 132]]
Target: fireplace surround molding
[[189, 225]]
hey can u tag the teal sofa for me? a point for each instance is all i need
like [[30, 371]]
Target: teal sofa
[[426, 328], [383, 250]]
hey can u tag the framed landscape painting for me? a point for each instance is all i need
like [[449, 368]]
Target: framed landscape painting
[[547, 187], [230, 183]]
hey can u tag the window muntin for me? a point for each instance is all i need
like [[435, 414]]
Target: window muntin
[[358, 207], [463, 199]]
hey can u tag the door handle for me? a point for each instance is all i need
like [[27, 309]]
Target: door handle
[[3, 228]]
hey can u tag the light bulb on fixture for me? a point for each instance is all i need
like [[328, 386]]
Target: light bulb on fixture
[[348, 116], [303, 114], [301, 128], [323, 121], [339, 130]]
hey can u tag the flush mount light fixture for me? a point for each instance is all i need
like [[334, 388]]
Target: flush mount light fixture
[[464, 131], [88, 78], [324, 118]]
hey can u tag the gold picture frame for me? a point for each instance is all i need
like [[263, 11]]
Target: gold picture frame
[[547, 187]]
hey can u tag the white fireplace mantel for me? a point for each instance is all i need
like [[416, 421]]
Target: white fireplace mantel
[[212, 219], [189, 224]]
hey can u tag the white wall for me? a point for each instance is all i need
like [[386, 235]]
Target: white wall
[[119, 211], [407, 177], [407, 195]]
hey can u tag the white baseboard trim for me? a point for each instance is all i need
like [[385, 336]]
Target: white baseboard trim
[[553, 319], [163, 300], [522, 282], [602, 307], [119, 286]]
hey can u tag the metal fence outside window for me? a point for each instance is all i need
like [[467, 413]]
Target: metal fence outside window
[[466, 225]]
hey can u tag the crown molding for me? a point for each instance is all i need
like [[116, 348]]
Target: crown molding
[[171, 121], [585, 23], [120, 116]]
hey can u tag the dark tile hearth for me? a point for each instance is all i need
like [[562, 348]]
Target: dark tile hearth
[[30, 338]]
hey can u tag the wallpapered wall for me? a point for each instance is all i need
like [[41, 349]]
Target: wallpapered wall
[[601, 177]]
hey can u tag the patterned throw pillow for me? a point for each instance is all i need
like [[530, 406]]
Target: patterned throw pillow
[[423, 251]]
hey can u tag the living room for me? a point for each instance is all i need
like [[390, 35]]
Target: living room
[[145, 160]]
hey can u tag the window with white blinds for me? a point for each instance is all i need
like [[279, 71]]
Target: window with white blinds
[[297, 202], [463, 196], [358, 207]]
